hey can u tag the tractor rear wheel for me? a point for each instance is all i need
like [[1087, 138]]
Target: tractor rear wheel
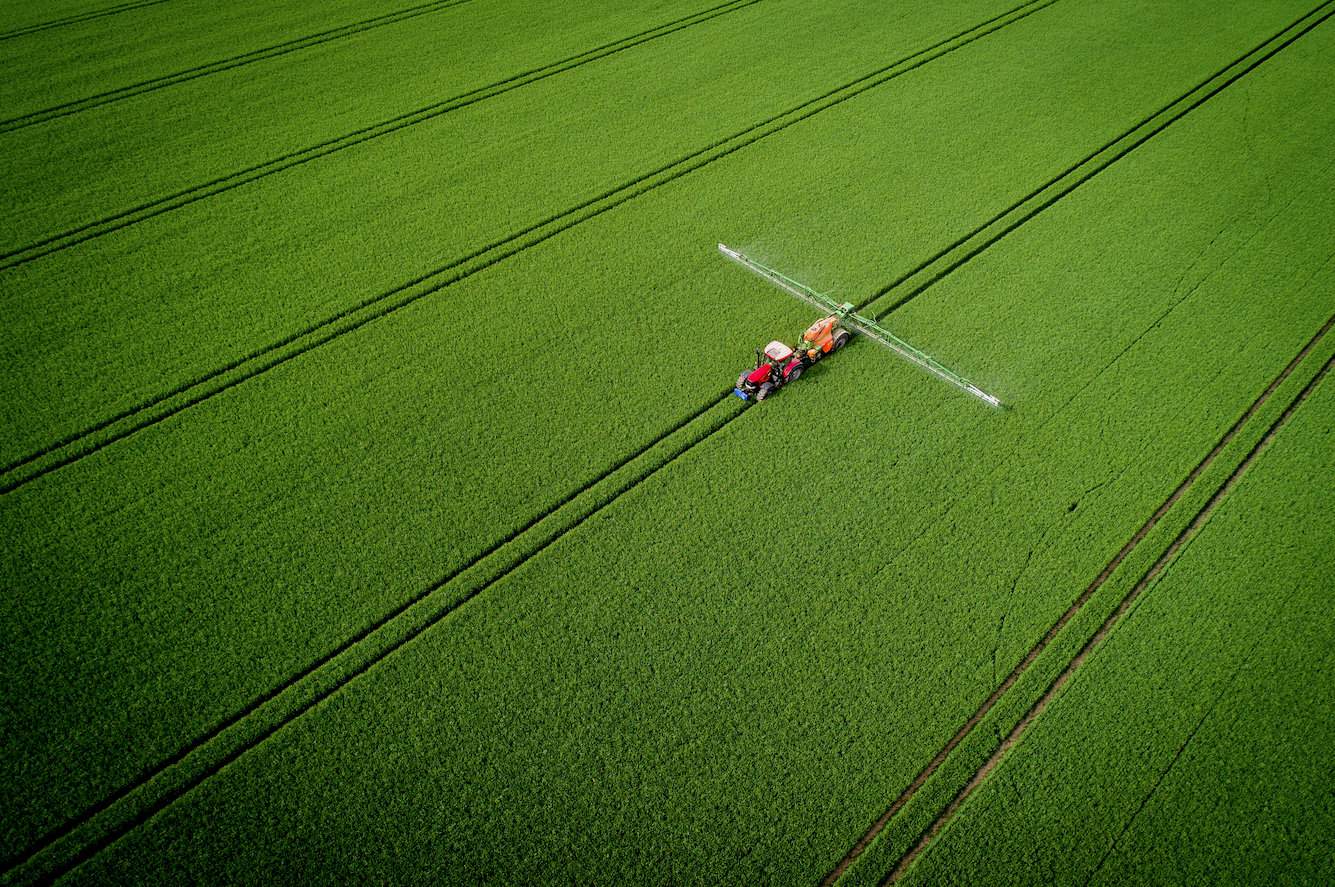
[[795, 374]]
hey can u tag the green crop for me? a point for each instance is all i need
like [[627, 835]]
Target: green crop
[[95, 61], [492, 579], [191, 291], [22, 18], [219, 132], [444, 423], [1183, 752]]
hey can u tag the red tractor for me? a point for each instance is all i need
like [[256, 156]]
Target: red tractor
[[778, 364]]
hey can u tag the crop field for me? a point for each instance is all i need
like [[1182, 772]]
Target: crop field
[[376, 506]]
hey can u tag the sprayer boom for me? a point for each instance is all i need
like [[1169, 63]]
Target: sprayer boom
[[862, 324]]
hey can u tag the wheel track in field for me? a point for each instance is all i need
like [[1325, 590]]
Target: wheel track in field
[[1019, 670], [120, 93], [1184, 537], [201, 745], [66, 833], [74, 447], [1225, 687], [406, 634], [79, 18], [238, 733], [967, 247], [278, 691], [179, 199]]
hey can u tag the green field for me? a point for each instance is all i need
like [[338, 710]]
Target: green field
[[375, 506]]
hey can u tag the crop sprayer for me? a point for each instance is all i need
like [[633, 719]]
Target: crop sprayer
[[777, 364]]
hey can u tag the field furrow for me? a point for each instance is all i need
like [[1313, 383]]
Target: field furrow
[[529, 452], [1202, 750], [906, 287], [308, 153], [35, 75], [1184, 538], [72, 18], [629, 645], [97, 827], [37, 284], [1054, 637], [67, 174], [265, 300], [748, 716], [386, 519]]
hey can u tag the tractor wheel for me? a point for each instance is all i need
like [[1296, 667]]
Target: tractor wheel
[[840, 341], [765, 391], [741, 379], [795, 374]]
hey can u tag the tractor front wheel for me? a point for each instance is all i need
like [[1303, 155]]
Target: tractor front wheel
[[765, 391]]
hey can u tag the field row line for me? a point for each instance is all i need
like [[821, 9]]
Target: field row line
[[970, 731], [1226, 687], [99, 826], [274, 165], [1184, 537], [976, 241], [440, 614], [79, 18], [296, 44], [237, 720], [229, 740], [158, 408], [52, 843], [1063, 184]]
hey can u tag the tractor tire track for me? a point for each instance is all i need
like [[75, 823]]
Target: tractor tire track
[[1184, 537], [74, 447], [1076, 606], [79, 18], [362, 651], [255, 705], [93, 812], [91, 850], [1164, 771], [222, 184], [1080, 172], [297, 44]]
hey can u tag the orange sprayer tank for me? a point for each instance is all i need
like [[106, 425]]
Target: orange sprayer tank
[[821, 333]]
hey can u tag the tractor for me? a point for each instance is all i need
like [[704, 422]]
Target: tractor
[[781, 365], [778, 364]]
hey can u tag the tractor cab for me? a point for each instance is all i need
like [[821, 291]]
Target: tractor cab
[[776, 365], [770, 363], [778, 353]]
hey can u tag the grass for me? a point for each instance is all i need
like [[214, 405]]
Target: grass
[[472, 581], [197, 142], [22, 18], [329, 249], [91, 62], [1179, 752]]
